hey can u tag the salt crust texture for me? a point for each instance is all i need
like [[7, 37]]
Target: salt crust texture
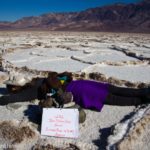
[[121, 59]]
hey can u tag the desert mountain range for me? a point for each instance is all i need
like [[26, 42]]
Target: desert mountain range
[[118, 17]]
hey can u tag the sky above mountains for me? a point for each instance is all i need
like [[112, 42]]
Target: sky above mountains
[[11, 10]]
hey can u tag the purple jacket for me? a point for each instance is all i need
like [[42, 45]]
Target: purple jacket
[[88, 94]]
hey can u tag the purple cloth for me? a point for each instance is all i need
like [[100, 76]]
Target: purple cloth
[[88, 94]]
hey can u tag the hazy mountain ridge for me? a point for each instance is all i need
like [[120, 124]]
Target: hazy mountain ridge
[[116, 17]]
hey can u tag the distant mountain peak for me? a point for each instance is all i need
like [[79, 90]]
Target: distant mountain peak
[[120, 3]]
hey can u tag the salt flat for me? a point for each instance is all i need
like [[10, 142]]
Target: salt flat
[[115, 55]]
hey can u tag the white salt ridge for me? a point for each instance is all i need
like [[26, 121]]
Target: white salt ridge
[[121, 129], [139, 51], [133, 73], [102, 56]]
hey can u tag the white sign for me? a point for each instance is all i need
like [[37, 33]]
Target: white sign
[[60, 122]]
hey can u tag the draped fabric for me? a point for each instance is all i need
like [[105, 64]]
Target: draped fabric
[[88, 94]]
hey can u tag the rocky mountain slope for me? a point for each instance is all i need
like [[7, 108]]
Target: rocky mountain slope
[[115, 18]]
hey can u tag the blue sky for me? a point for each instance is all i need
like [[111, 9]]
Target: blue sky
[[11, 10]]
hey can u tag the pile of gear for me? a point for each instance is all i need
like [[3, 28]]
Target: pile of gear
[[51, 91]]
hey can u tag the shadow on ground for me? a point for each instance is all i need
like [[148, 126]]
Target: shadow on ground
[[3, 91], [34, 114], [104, 134]]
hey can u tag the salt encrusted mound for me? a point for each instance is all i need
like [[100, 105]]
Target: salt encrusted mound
[[17, 134], [51, 147], [3, 77], [22, 71], [132, 133]]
